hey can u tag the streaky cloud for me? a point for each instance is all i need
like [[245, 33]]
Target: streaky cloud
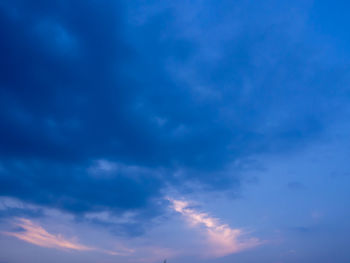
[[221, 238], [37, 235]]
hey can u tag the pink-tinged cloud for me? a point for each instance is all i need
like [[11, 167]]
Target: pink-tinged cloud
[[37, 235], [221, 239]]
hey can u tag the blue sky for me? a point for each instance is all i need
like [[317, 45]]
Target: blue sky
[[197, 131]]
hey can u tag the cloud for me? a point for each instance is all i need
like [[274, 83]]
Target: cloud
[[222, 239], [37, 235], [163, 87], [71, 188]]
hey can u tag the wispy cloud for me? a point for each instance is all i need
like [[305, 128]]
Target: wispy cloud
[[222, 239], [37, 235]]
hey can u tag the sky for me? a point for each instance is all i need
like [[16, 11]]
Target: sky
[[193, 131]]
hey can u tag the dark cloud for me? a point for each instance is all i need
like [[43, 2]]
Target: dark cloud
[[155, 86], [73, 189]]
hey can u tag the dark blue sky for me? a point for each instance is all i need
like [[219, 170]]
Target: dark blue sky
[[206, 131]]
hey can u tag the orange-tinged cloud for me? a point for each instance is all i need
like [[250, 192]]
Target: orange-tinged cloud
[[222, 239], [37, 235]]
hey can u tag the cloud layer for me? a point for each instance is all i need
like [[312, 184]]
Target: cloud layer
[[107, 105], [137, 85]]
